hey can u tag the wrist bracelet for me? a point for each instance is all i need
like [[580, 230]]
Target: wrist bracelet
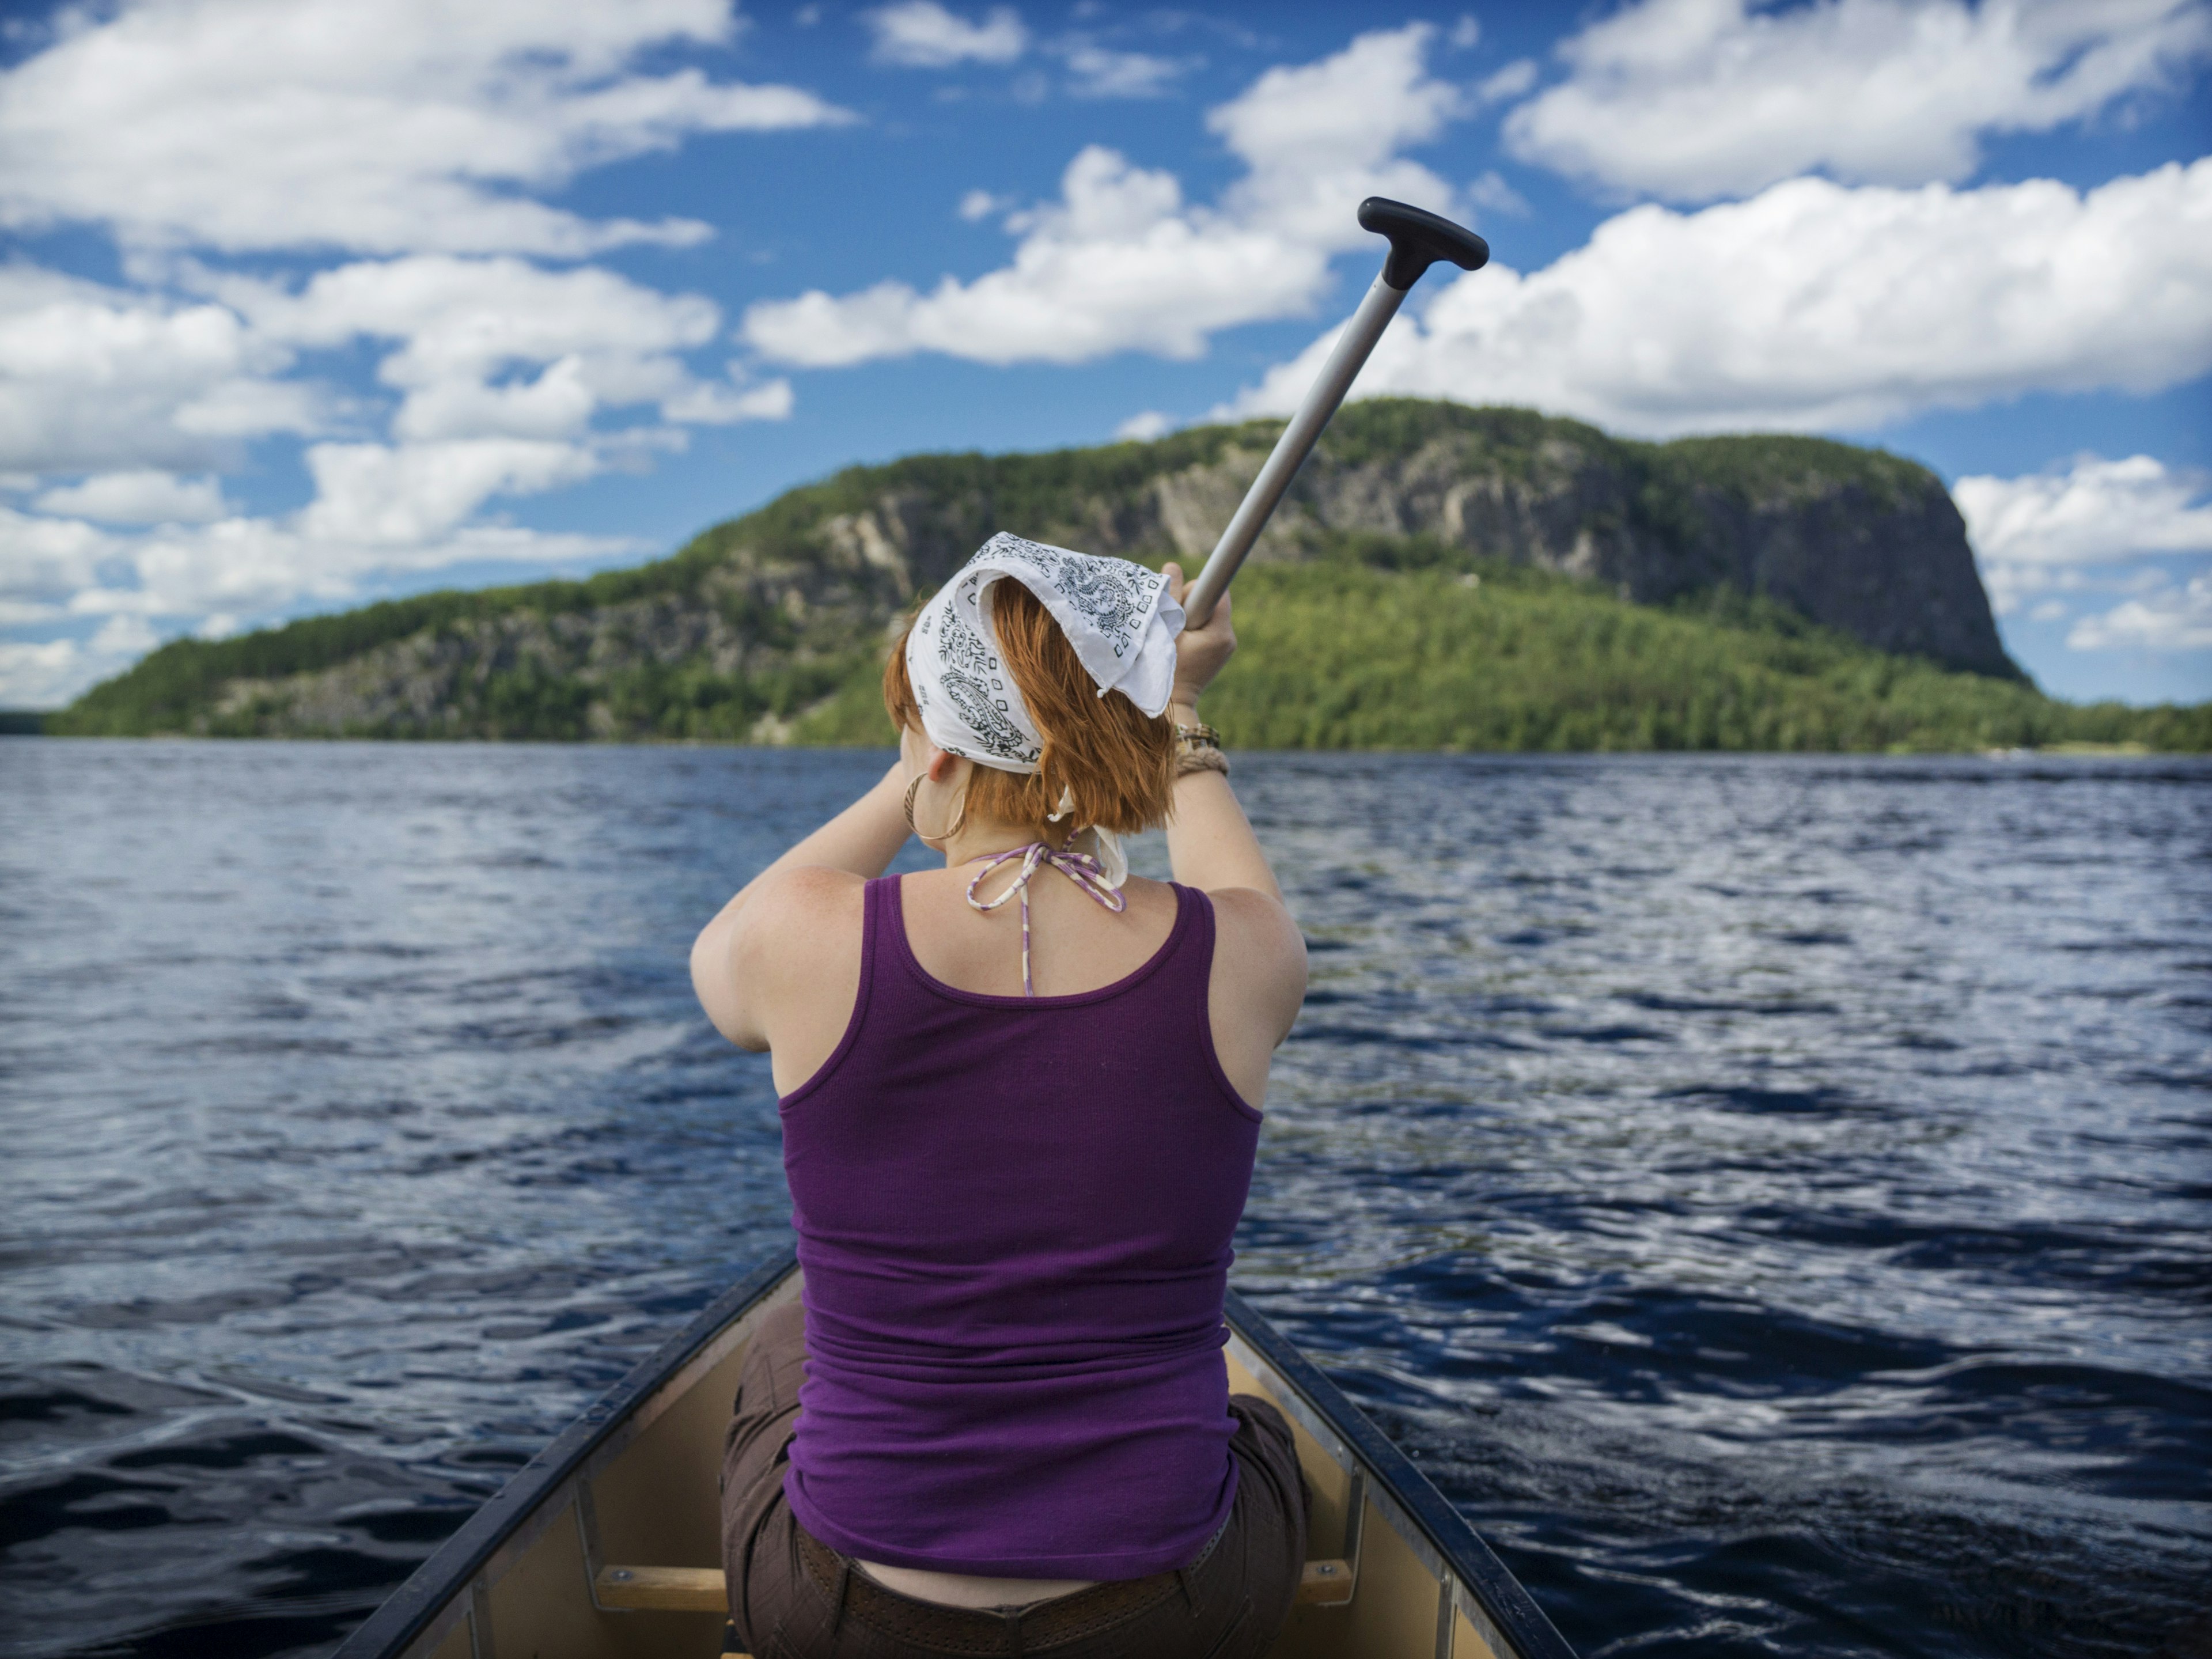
[[1199, 736], [1198, 749]]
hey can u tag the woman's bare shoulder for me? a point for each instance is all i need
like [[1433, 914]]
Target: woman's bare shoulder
[[787, 927], [798, 912], [1255, 938], [804, 884], [1256, 918]]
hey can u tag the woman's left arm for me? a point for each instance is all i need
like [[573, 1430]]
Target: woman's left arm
[[860, 841]]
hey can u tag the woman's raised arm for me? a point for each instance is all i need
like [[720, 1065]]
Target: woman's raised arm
[[1260, 971], [860, 841], [1209, 843]]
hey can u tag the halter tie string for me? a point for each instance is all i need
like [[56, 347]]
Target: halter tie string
[[1081, 868]]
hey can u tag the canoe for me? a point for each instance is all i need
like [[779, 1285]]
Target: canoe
[[603, 1545]]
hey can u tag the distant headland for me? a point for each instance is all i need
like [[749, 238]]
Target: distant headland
[[1440, 577]]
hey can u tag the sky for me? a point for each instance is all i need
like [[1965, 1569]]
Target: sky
[[305, 303]]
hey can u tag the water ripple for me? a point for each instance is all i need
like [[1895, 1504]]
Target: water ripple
[[1770, 1196]]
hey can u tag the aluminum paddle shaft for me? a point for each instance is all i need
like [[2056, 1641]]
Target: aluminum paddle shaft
[[1418, 240]]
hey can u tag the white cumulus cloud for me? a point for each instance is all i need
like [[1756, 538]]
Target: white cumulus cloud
[[43, 675], [1317, 137], [1510, 82], [1691, 100], [490, 358], [2096, 512], [501, 347], [384, 516], [1102, 72], [1145, 425], [2069, 531], [406, 495], [1816, 305], [1117, 264], [1120, 261], [125, 636], [44, 562], [404, 128], [922, 34], [144, 496], [371, 126], [1491, 191], [500, 368], [2177, 618], [379, 510], [710, 403], [94, 379]]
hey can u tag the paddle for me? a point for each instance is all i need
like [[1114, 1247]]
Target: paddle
[[1418, 240]]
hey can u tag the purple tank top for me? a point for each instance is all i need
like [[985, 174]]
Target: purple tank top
[[1014, 1217]]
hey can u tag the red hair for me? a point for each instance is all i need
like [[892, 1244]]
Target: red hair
[[1115, 760]]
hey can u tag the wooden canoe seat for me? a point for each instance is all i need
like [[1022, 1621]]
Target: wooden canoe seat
[[702, 1589], [662, 1590], [1325, 1585]]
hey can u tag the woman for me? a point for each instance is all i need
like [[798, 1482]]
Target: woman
[[1015, 1153]]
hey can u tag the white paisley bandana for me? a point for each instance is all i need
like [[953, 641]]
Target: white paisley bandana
[[1116, 614]]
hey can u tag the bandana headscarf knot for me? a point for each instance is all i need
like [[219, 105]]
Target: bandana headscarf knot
[[1122, 623], [1116, 613]]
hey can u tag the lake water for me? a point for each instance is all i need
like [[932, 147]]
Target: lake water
[[1771, 1197]]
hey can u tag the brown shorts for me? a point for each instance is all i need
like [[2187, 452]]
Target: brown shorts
[[793, 1597]]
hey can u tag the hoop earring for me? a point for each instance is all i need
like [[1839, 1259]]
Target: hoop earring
[[959, 816]]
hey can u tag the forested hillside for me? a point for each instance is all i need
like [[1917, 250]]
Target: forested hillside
[[1441, 577]]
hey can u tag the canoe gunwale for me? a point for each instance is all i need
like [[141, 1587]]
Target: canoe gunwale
[[443, 1582], [1407, 1498]]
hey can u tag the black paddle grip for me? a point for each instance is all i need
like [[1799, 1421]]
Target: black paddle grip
[[1418, 239]]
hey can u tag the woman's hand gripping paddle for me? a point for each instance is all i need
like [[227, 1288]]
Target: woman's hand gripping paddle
[[1418, 240]]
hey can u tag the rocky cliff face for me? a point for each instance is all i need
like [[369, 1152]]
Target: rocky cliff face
[[760, 616], [1853, 539]]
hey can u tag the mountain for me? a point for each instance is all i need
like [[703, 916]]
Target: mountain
[[1439, 576]]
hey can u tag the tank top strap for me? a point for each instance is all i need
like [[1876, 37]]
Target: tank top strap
[[1189, 964], [1186, 985], [881, 925]]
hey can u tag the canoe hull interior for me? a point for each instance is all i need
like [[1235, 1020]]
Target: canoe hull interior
[[649, 1492], [634, 1485]]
